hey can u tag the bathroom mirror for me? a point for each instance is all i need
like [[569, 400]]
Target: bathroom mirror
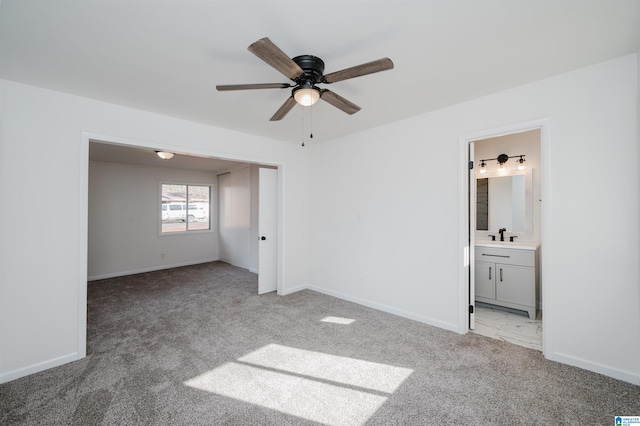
[[504, 201]]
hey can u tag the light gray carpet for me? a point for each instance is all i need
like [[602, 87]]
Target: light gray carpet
[[197, 345]]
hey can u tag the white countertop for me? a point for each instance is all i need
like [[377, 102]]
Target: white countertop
[[522, 245]]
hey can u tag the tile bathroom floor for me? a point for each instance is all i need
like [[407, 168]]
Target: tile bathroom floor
[[509, 325]]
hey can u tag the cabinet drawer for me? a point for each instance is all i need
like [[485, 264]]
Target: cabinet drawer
[[506, 256]]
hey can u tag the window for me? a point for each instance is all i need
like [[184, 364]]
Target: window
[[185, 208]]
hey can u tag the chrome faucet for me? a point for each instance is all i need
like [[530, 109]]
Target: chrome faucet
[[502, 231]]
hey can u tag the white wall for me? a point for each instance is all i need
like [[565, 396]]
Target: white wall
[[43, 162], [124, 221], [386, 208]]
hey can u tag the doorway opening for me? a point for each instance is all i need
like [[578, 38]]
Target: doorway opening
[[191, 161], [507, 225], [504, 285]]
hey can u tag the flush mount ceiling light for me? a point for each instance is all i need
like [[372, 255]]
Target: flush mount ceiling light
[[502, 160], [165, 155]]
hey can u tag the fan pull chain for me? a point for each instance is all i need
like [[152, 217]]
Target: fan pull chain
[[311, 122], [302, 132]]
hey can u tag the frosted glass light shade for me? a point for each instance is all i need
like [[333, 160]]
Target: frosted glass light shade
[[307, 96], [165, 155]]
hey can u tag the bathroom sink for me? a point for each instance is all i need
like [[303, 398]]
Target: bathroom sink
[[507, 244]]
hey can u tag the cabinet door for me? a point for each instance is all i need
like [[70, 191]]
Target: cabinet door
[[515, 284], [485, 280]]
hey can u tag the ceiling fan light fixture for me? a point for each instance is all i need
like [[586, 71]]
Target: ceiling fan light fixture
[[306, 96], [165, 155], [306, 71]]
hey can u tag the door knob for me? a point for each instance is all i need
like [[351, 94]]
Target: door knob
[[263, 238]]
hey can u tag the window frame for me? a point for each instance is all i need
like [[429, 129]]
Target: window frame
[[186, 203]]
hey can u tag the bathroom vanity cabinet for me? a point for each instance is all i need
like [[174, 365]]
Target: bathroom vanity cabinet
[[507, 276]]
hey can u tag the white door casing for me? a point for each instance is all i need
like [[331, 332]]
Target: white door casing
[[472, 233]]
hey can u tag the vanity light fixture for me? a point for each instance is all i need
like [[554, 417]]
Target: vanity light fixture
[[165, 155], [502, 160]]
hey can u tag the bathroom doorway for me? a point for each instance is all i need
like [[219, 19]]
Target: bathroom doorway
[[510, 256]]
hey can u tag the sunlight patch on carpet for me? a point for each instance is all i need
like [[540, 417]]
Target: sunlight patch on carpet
[[337, 320], [312, 385], [337, 369]]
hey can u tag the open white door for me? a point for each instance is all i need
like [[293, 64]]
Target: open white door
[[267, 230], [472, 234]]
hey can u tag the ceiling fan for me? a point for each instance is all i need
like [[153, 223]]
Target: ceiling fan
[[306, 71]]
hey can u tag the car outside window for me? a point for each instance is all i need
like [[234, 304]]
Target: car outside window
[[185, 208]]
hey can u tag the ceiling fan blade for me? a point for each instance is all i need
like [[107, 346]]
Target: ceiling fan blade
[[284, 109], [339, 102], [224, 87], [272, 55], [359, 70]]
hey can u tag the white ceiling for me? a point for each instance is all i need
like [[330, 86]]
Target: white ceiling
[[167, 56], [113, 153]]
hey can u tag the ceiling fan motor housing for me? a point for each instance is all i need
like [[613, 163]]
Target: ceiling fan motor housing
[[313, 68]]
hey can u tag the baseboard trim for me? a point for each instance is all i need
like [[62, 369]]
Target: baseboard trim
[[388, 309], [149, 269], [605, 370], [36, 368], [294, 290]]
